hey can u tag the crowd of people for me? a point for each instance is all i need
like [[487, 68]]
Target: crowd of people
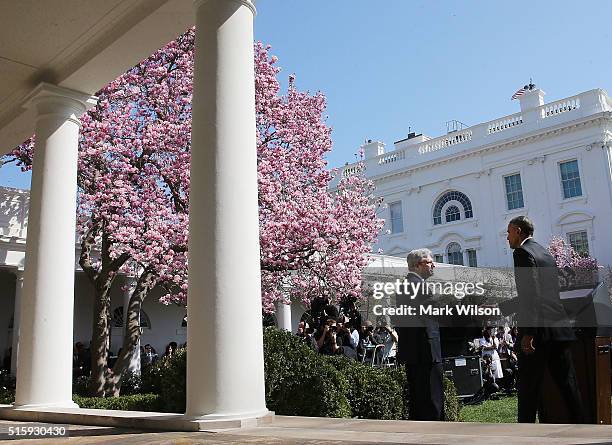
[[332, 331], [337, 334], [81, 357]]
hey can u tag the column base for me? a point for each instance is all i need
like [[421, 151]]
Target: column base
[[134, 419], [45, 406], [217, 422], [214, 422]]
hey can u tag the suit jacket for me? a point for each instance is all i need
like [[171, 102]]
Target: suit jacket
[[540, 311], [419, 344]]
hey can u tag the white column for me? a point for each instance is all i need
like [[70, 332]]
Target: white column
[[283, 316], [16, 319], [225, 373], [44, 366], [134, 365]]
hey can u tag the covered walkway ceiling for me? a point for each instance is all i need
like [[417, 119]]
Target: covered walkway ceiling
[[78, 44]]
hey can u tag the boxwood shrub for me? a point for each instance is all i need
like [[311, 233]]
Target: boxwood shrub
[[372, 392], [133, 402], [300, 382], [172, 384]]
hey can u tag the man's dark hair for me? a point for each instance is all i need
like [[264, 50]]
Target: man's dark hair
[[523, 223]]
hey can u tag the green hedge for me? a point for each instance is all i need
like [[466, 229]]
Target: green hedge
[[372, 393], [7, 396], [134, 402], [300, 382]]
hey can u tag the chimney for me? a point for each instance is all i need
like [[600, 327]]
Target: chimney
[[532, 98], [371, 149]]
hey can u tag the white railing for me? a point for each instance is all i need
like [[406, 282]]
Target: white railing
[[445, 141], [504, 123], [388, 158], [560, 106], [350, 170], [589, 102]]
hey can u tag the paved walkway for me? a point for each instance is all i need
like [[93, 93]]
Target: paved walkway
[[308, 430]]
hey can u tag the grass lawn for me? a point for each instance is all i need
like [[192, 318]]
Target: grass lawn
[[491, 411]]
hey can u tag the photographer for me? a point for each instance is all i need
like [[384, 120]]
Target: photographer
[[333, 338], [321, 309], [304, 331], [326, 338], [344, 339]]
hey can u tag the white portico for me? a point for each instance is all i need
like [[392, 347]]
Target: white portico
[[56, 55]]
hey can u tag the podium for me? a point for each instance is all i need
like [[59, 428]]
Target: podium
[[590, 313]]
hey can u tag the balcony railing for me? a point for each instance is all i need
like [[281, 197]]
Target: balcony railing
[[498, 130]]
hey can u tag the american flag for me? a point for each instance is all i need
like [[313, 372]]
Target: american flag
[[519, 92]]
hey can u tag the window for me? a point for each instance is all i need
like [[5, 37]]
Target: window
[[514, 191], [397, 223], [579, 241], [438, 258], [452, 214], [453, 195], [455, 255], [471, 254], [117, 321], [570, 179]]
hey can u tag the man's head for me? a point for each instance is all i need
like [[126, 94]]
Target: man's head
[[331, 324], [421, 262], [519, 228]]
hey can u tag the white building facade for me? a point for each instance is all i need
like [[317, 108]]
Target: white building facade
[[455, 194]]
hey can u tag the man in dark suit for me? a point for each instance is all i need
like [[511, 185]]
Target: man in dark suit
[[419, 345], [545, 334]]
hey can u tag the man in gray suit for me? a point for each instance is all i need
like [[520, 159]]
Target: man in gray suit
[[419, 345]]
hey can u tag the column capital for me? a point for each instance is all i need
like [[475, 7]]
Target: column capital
[[52, 100], [248, 3]]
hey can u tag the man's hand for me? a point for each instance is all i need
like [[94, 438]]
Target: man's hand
[[527, 344]]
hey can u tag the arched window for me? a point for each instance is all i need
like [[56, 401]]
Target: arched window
[[453, 195], [455, 255], [117, 321], [452, 213]]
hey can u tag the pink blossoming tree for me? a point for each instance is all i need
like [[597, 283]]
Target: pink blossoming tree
[[133, 183], [574, 268]]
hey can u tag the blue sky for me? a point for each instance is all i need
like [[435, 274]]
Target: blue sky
[[389, 65]]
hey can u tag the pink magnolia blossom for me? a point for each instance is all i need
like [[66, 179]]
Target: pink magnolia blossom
[[134, 155]]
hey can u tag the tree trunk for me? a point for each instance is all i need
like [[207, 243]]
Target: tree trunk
[[114, 377], [102, 278], [99, 339]]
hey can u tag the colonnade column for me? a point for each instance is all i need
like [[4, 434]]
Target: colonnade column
[[44, 364], [16, 320], [283, 315], [225, 372]]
